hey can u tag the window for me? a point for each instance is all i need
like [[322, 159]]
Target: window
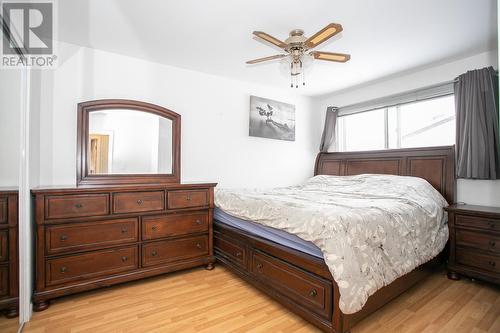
[[418, 124]]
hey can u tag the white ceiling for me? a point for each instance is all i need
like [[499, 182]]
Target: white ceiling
[[215, 36]]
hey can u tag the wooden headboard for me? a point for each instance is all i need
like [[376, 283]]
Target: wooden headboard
[[434, 164]]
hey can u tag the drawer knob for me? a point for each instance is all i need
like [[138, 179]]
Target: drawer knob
[[124, 258], [154, 253], [238, 254], [492, 263], [140, 202], [154, 228], [198, 245], [188, 197], [124, 230], [492, 243], [198, 222], [78, 205], [491, 224], [63, 269], [63, 238], [259, 265], [313, 293]]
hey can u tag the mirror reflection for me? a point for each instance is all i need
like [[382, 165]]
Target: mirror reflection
[[129, 142]]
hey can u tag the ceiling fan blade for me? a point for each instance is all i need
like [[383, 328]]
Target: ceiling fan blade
[[255, 61], [270, 39], [329, 56], [324, 34]]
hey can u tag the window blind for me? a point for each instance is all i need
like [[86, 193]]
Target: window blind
[[438, 90]]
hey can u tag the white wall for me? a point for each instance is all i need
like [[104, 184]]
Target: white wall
[[215, 114], [481, 192], [10, 108]]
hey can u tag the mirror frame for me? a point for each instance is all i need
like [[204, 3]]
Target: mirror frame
[[82, 152]]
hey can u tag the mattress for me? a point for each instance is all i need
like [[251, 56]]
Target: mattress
[[274, 235]]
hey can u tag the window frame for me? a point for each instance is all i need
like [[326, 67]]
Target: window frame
[[340, 142]]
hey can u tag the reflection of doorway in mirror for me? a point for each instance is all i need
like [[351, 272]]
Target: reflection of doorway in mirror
[[99, 153]]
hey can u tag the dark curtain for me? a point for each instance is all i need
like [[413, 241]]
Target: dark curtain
[[328, 137], [477, 137]]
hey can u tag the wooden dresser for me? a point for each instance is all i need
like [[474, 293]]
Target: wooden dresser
[[88, 238], [9, 263], [474, 242]]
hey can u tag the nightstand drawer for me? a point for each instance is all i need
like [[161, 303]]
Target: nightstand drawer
[[478, 240], [477, 222], [4, 280], [478, 260], [4, 245], [3, 209]]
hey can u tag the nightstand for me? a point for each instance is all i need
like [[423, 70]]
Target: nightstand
[[474, 242]]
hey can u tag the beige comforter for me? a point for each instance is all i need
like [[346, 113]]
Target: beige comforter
[[371, 229]]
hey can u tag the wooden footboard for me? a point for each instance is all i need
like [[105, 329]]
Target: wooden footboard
[[299, 281]]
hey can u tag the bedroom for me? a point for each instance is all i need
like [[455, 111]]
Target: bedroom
[[152, 180]]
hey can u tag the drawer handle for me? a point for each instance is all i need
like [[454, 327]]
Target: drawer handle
[[78, 205], [492, 243], [259, 265], [124, 230], [63, 269], [124, 258], [491, 224], [238, 254], [154, 253], [188, 197], [198, 222], [154, 228], [63, 238], [492, 263], [313, 293], [198, 245], [140, 202]]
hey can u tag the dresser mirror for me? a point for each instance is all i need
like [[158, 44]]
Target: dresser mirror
[[125, 141]]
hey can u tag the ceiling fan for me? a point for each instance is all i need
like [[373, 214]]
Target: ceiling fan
[[298, 47]]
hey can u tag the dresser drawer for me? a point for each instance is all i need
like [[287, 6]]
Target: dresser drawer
[[173, 250], [90, 265], [67, 206], [478, 260], [477, 222], [4, 280], [187, 199], [232, 250], [83, 236], [154, 227], [477, 240], [4, 246], [301, 287], [3, 210], [131, 202]]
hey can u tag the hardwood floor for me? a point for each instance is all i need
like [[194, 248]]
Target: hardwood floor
[[9, 325], [218, 301]]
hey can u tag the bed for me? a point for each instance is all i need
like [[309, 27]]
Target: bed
[[291, 270]]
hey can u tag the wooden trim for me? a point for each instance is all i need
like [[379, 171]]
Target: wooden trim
[[82, 175]]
